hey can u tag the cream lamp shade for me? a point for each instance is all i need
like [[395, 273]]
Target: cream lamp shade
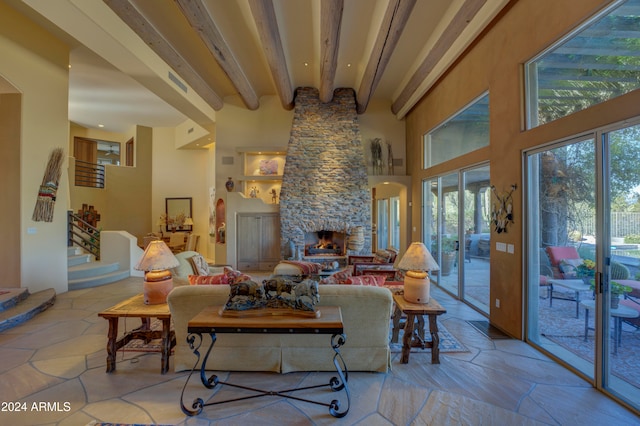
[[417, 261], [188, 222], [156, 261]]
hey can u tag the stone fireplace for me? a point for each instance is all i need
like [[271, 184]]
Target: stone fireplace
[[325, 184]]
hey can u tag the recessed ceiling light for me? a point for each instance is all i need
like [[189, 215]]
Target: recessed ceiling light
[[306, 64], [348, 65], [100, 125]]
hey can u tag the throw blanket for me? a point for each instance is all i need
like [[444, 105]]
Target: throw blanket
[[306, 268]]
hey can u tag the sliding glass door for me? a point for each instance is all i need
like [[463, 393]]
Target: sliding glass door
[[583, 236], [456, 226]]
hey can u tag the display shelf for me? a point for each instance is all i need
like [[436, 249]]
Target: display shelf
[[263, 168]]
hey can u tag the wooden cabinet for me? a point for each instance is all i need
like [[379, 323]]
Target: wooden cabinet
[[258, 241]]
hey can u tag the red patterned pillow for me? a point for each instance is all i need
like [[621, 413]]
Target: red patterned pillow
[[207, 279], [233, 277], [339, 277], [372, 280]]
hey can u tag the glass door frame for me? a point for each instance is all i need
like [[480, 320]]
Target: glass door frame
[[600, 376], [427, 231]]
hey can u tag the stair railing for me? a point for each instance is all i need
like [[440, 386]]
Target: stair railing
[[83, 234]]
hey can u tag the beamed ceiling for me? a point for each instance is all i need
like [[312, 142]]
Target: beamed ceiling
[[237, 51]]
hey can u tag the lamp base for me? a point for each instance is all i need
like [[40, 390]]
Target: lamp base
[[156, 287], [416, 290]]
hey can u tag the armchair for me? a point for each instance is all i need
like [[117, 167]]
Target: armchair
[[380, 260]]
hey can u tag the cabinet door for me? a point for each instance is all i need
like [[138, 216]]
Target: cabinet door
[[270, 247], [248, 238]]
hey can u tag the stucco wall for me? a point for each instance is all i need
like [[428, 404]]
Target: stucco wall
[[36, 64], [495, 63]]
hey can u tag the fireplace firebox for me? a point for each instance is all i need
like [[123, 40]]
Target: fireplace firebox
[[324, 243]]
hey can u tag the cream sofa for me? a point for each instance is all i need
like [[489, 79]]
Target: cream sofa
[[366, 313], [184, 269]]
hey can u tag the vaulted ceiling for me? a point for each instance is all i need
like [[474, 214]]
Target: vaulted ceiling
[[222, 51]]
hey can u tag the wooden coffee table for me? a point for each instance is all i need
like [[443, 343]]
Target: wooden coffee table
[[416, 311], [135, 307]]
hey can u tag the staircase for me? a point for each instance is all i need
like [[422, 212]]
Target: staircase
[[17, 305], [84, 271]]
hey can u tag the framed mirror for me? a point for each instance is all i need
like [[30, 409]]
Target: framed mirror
[[178, 212]]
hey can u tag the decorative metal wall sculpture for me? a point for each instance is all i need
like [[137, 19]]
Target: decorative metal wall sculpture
[[43, 211], [502, 209]]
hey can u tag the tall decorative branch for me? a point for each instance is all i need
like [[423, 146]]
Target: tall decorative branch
[[43, 211]]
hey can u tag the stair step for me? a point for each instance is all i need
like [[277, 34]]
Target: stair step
[[98, 280], [73, 250], [27, 308], [91, 269], [10, 297], [78, 259]]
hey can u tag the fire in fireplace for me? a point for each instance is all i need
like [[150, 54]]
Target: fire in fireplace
[[324, 242]]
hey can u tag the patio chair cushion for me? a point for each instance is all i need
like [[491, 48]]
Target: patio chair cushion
[[568, 267], [559, 253]]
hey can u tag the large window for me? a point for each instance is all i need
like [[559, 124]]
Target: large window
[[465, 132], [598, 62]]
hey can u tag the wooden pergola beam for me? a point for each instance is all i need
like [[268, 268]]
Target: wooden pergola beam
[[393, 23], [139, 24], [265, 18], [204, 25], [330, 22]]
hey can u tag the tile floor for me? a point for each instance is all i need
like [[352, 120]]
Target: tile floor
[[54, 367]]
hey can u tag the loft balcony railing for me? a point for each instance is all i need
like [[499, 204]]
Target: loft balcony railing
[[89, 174], [82, 234]]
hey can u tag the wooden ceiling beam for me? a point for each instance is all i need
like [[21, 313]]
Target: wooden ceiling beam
[[463, 16], [139, 24], [202, 22], [393, 23], [330, 22], [265, 18]]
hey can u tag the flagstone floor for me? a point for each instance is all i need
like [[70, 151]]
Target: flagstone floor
[[53, 373]]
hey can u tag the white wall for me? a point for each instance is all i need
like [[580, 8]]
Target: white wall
[[178, 173]]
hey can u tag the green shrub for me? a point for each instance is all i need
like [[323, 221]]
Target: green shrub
[[632, 239]]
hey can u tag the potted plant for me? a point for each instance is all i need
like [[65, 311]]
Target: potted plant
[[448, 258], [586, 270], [617, 290]]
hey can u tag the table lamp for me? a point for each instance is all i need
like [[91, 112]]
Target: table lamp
[[188, 222], [417, 261], [156, 262]]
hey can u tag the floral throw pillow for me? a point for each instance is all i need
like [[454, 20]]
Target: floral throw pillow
[[199, 264]]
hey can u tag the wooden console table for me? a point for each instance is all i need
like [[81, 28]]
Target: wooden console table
[[135, 307], [412, 339], [211, 322]]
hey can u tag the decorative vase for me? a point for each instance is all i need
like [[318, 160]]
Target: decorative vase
[[230, 184]]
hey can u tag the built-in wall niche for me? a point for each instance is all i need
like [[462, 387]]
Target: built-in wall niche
[[221, 219], [263, 168]]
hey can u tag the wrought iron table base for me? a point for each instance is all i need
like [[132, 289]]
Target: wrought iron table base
[[335, 383]]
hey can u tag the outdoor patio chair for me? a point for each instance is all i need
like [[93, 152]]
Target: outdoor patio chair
[[558, 254]]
